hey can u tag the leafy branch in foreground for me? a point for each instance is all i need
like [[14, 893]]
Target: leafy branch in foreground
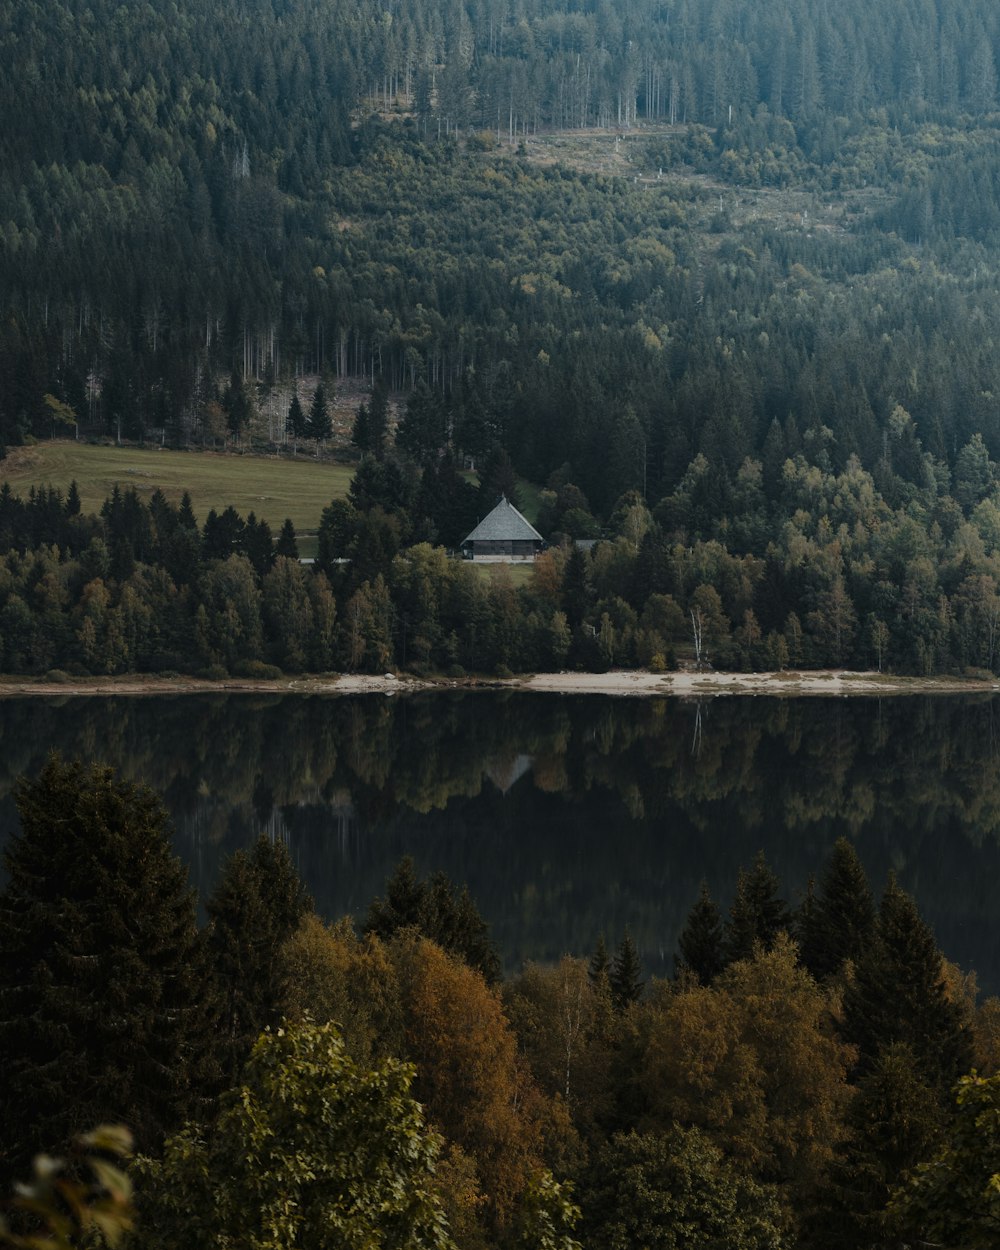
[[69, 1198]]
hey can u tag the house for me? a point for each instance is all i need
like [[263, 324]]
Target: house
[[503, 537]]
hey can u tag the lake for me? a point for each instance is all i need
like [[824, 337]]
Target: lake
[[567, 816]]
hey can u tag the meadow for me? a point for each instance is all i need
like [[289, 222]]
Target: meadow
[[272, 487]]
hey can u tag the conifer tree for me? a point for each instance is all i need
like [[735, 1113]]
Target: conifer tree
[[295, 422], [626, 975], [599, 969], [898, 994], [288, 544], [894, 1121], [256, 906], [105, 1014], [758, 914], [840, 922], [319, 426], [361, 429], [185, 514], [73, 499], [700, 942], [439, 911]]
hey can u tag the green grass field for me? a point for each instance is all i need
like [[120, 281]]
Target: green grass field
[[272, 488], [520, 574]]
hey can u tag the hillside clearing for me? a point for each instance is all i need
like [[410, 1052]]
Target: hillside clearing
[[274, 488]]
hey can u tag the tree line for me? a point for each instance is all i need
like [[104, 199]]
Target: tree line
[[783, 564], [786, 1087]]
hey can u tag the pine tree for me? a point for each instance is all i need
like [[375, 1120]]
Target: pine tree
[[626, 975], [894, 1121], [105, 1014], [295, 422], [319, 426], [757, 913], [700, 942], [185, 514], [256, 906], [73, 499], [258, 544], [288, 544], [599, 970], [437, 910], [378, 418], [840, 923], [361, 430], [898, 995]]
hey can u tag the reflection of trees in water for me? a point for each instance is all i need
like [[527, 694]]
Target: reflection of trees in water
[[565, 815]]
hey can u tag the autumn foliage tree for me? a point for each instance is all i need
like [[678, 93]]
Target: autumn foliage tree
[[469, 1077]]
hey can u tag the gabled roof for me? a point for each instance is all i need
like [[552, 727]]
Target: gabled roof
[[503, 524]]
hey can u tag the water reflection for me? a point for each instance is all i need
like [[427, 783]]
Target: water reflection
[[566, 816]]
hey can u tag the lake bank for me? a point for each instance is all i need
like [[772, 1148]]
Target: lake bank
[[827, 683]]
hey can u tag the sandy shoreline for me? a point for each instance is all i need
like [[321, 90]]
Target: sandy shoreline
[[628, 683]]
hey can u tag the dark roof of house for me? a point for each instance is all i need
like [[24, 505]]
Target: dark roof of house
[[504, 524]]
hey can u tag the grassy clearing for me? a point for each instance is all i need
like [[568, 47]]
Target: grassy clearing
[[520, 574], [272, 488]]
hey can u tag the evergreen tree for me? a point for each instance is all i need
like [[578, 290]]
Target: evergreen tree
[[257, 904], [104, 1007], [840, 922], [422, 432], [258, 544], [237, 405], [757, 913], [185, 514], [295, 422], [437, 910], [361, 435], [496, 479], [319, 426], [700, 942], [626, 975], [288, 544], [898, 994], [73, 499], [599, 970], [894, 1121], [378, 418]]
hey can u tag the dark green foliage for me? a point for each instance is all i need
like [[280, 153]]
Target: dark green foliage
[[898, 995], [625, 977], [312, 1150], [296, 423], [105, 1011], [674, 1192], [437, 909], [599, 969], [758, 913], [701, 941], [952, 1199], [257, 904], [318, 425], [894, 1121], [839, 924], [287, 544]]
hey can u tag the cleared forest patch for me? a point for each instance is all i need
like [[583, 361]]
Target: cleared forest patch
[[272, 487]]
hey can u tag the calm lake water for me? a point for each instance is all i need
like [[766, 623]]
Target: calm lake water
[[567, 817]]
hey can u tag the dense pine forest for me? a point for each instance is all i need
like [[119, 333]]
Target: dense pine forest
[[742, 329], [804, 1078]]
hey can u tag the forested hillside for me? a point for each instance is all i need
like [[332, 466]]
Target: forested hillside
[[732, 266]]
